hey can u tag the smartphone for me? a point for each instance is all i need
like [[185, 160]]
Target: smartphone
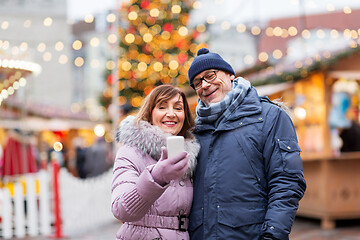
[[174, 145]]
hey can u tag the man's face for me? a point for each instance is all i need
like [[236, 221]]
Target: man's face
[[216, 90]]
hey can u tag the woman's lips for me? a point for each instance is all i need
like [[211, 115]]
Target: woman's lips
[[169, 123]]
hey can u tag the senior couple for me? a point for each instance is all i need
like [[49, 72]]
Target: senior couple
[[240, 176]]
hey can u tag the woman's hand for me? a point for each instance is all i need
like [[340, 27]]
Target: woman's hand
[[167, 169]]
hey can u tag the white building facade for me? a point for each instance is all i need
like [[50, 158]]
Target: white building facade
[[37, 31]]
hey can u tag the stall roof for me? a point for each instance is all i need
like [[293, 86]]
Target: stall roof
[[266, 90], [351, 75], [40, 124], [43, 110]]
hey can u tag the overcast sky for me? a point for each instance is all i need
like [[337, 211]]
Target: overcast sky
[[78, 9], [242, 11], [234, 11]]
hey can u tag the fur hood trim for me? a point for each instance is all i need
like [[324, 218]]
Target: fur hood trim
[[149, 139]]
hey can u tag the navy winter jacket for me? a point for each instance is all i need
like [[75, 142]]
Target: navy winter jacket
[[249, 176]]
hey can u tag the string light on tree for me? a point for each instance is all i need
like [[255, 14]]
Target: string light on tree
[[156, 48]]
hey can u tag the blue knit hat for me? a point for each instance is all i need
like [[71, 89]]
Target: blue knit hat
[[207, 60]]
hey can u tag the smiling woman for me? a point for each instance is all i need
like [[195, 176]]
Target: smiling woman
[[151, 191], [167, 107], [169, 115]]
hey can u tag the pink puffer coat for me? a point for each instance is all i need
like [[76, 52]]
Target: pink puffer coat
[[148, 210]]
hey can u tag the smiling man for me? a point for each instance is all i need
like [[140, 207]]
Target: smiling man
[[249, 178]]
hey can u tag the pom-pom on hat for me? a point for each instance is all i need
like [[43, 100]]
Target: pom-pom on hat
[[207, 60]]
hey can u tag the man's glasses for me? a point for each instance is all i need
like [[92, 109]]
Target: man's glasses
[[209, 77]]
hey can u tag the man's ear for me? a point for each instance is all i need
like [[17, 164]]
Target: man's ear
[[232, 77]]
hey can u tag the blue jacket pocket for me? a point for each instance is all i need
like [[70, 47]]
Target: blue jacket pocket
[[237, 215], [290, 153]]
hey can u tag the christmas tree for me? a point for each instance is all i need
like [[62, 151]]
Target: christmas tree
[[156, 47]]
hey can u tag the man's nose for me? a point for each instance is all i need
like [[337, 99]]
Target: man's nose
[[205, 84]]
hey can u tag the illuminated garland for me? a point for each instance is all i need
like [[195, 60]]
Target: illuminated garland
[[300, 69], [12, 75]]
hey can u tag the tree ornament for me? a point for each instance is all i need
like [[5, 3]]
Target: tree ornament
[[144, 4], [168, 27]]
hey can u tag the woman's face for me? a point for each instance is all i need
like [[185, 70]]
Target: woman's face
[[169, 115]]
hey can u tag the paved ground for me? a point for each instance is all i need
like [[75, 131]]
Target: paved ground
[[303, 229], [309, 229]]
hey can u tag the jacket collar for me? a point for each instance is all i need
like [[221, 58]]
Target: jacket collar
[[248, 107], [149, 139]]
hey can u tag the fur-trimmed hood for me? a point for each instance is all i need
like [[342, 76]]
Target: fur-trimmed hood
[[149, 139]]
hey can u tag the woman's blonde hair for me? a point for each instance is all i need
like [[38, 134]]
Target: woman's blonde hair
[[164, 93]]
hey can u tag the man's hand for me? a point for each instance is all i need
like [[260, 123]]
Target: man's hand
[[268, 236]]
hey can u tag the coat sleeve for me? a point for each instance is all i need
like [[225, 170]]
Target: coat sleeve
[[284, 173], [132, 192]]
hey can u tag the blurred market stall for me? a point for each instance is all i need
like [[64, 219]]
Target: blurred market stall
[[320, 86]]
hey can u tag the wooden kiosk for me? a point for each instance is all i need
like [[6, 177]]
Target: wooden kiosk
[[333, 189]]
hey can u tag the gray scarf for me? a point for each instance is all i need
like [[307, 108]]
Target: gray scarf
[[216, 112]]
